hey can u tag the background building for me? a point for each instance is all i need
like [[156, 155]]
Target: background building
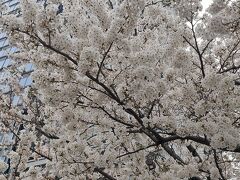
[[7, 138]]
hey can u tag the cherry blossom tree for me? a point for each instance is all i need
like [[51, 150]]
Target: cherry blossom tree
[[127, 89]]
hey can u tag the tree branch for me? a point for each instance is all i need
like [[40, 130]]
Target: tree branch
[[229, 69], [136, 151], [36, 37], [110, 93], [50, 159], [204, 49], [114, 118], [100, 170], [217, 165], [50, 136], [172, 153], [198, 139], [103, 59]]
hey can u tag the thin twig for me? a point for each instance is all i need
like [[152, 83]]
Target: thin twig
[[136, 151], [103, 59], [217, 165]]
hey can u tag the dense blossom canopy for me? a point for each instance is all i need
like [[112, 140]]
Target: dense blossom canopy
[[127, 89]]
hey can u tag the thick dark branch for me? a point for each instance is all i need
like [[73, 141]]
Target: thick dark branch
[[37, 38], [194, 152], [110, 93], [148, 131], [110, 4], [57, 51], [236, 82], [100, 170], [50, 136], [150, 135], [134, 114], [198, 139], [115, 97], [172, 153], [114, 90]]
